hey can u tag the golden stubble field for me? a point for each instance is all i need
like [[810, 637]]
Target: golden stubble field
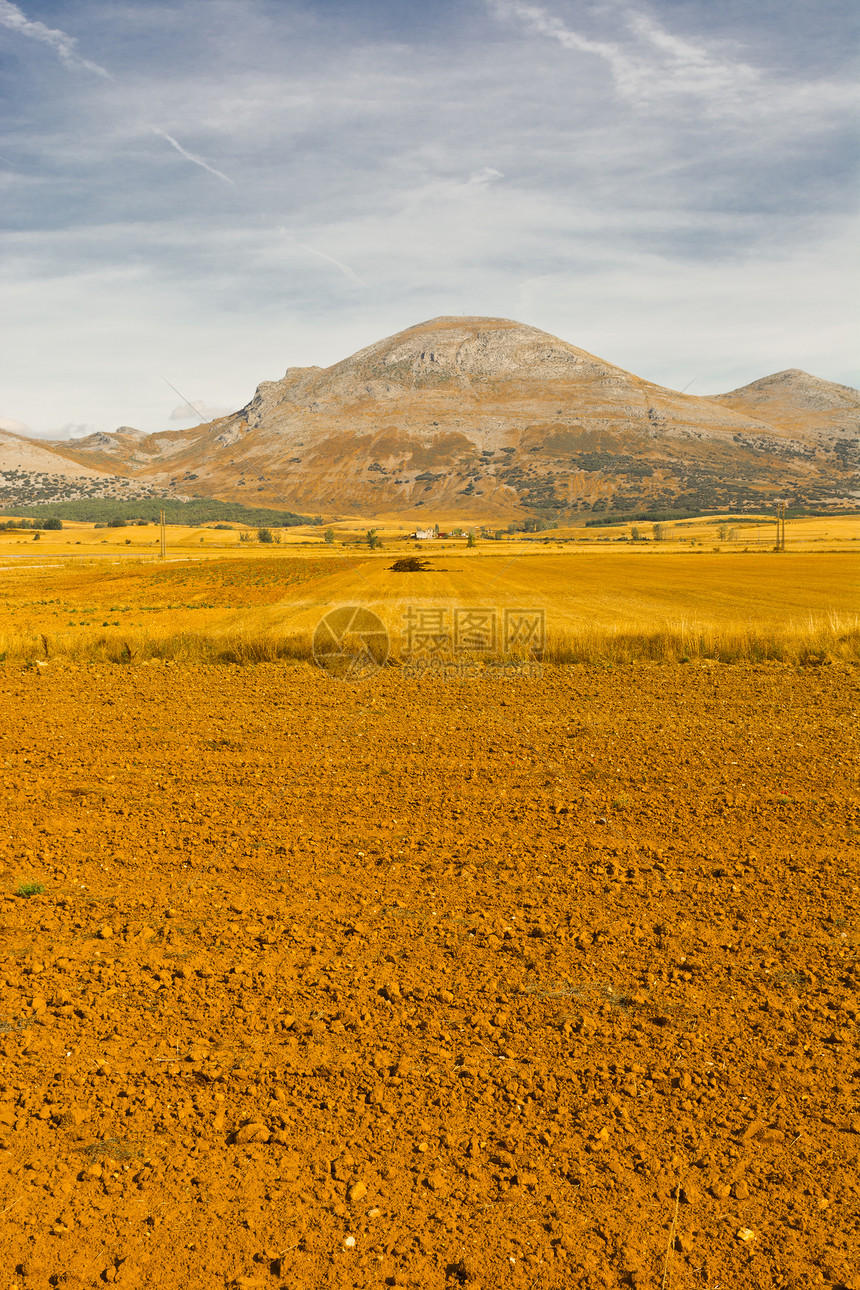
[[599, 598]]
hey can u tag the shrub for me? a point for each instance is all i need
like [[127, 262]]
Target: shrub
[[29, 889]]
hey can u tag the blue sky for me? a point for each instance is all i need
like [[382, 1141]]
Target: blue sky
[[217, 191]]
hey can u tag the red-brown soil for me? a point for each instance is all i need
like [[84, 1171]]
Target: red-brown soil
[[544, 983]]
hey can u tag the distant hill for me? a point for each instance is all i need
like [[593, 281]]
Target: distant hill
[[824, 414], [484, 414]]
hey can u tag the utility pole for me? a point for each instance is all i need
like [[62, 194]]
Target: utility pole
[[161, 521], [780, 526]]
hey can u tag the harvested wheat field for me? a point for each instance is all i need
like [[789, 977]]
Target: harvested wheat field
[[533, 982], [611, 603]]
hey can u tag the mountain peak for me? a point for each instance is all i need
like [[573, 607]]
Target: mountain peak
[[463, 353], [793, 389], [473, 415]]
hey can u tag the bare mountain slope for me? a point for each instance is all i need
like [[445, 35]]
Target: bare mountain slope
[[823, 413], [793, 393], [34, 471], [489, 415]]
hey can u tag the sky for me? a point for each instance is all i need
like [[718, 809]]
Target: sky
[[196, 197]]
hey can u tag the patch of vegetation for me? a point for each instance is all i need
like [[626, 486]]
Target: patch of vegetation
[[29, 889], [652, 516], [12, 526], [202, 510]]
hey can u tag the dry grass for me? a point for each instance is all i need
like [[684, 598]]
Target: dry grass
[[830, 639], [611, 605], [141, 647]]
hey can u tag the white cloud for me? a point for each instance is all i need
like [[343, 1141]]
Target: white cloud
[[75, 430], [64, 46], [486, 175], [205, 412], [13, 426]]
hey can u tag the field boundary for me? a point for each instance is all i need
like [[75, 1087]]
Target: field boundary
[[834, 638]]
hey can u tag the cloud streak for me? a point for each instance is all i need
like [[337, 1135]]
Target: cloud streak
[[190, 156], [545, 23], [655, 66], [344, 268], [64, 46]]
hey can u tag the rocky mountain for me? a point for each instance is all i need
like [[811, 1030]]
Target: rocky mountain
[[34, 472], [491, 417], [824, 414]]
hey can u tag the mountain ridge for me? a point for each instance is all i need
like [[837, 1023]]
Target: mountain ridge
[[470, 413]]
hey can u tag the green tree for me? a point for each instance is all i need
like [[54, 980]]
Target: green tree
[[635, 534], [265, 535], [329, 537], [373, 539], [659, 532], [470, 538]]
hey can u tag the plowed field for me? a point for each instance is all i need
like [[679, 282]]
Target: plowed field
[[544, 982]]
